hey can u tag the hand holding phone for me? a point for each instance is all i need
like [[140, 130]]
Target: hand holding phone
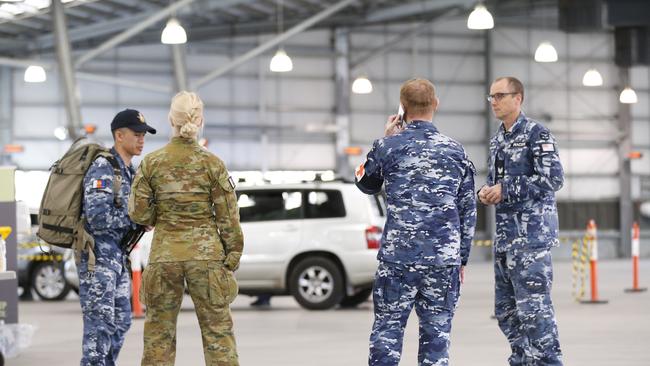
[[395, 122]]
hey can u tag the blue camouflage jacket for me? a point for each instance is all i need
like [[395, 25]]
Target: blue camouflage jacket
[[106, 223], [525, 161], [429, 183]]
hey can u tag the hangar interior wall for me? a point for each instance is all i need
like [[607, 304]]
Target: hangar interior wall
[[259, 120]]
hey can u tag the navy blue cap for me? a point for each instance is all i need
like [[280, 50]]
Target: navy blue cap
[[133, 120]]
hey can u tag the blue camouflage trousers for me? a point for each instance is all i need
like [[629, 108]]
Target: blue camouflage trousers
[[433, 290], [106, 306], [523, 306]]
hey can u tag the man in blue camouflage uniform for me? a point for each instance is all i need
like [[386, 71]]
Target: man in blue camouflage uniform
[[104, 291], [524, 171], [429, 183]]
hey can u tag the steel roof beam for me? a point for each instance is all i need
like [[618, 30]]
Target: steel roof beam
[[94, 30], [136, 84], [153, 19], [139, 27], [417, 8], [399, 38], [273, 42]]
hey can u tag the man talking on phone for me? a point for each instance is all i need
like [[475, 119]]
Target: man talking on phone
[[429, 183]]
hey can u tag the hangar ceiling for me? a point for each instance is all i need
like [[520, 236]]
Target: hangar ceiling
[[26, 25]]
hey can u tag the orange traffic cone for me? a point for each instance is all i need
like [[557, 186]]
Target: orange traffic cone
[[635, 260], [592, 237], [136, 272]]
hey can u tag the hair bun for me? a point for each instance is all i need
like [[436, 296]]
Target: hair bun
[[189, 130]]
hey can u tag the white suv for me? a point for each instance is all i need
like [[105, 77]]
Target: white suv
[[315, 241]]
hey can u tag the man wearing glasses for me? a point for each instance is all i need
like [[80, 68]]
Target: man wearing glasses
[[524, 172]]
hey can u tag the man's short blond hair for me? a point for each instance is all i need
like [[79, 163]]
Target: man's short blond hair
[[417, 96]]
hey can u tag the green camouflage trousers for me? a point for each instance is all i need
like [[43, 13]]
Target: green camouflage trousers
[[212, 288]]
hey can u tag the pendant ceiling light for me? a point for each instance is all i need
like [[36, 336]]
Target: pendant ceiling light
[[174, 33], [592, 78], [480, 18], [61, 133], [628, 96], [281, 62], [35, 74], [545, 52], [362, 85]]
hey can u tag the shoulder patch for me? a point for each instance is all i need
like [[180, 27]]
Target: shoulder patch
[[231, 182], [548, 147], [100, 185], [360, 171], [544, 135]]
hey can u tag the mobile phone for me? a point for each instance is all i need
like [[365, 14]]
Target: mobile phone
[[400, 115]]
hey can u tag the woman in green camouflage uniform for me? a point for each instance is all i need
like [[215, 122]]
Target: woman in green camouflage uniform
[[187, 194]]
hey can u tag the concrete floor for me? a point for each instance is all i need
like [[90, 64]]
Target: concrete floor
[[617, 333]]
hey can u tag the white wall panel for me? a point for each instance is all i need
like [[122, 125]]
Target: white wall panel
[[46, 92], [589, 161], [37, 121], [301, 104], [589, 189]]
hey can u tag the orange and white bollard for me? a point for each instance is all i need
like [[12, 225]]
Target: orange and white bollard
[[635, 260], [592, 237], [136, 275]]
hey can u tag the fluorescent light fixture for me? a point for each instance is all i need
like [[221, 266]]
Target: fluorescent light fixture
[[61, 133], [480, 18], [545, 52], [362, 85], [174, 33], [281, 62], [592, 78], [628, 96], [35, 74], [40, 4]]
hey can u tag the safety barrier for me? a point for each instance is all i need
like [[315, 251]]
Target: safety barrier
[[579, 254], [136, 276], [635, 260], [44, 256], [592, 239]]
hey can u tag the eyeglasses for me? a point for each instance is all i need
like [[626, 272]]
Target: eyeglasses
[[498, 96]]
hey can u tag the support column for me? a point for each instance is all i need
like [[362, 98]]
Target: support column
[[180, 69], [342, 97], [66, 69], [490, 215], [6, 112], [625, 169]]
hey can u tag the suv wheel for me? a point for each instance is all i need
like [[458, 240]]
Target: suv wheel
[[316, 283], [48, 281], [356, 299]]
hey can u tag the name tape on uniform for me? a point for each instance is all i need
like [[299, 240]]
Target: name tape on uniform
[[548, 147]]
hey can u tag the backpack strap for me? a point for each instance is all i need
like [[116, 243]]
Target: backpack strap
[[85, 240], [117, 182]]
